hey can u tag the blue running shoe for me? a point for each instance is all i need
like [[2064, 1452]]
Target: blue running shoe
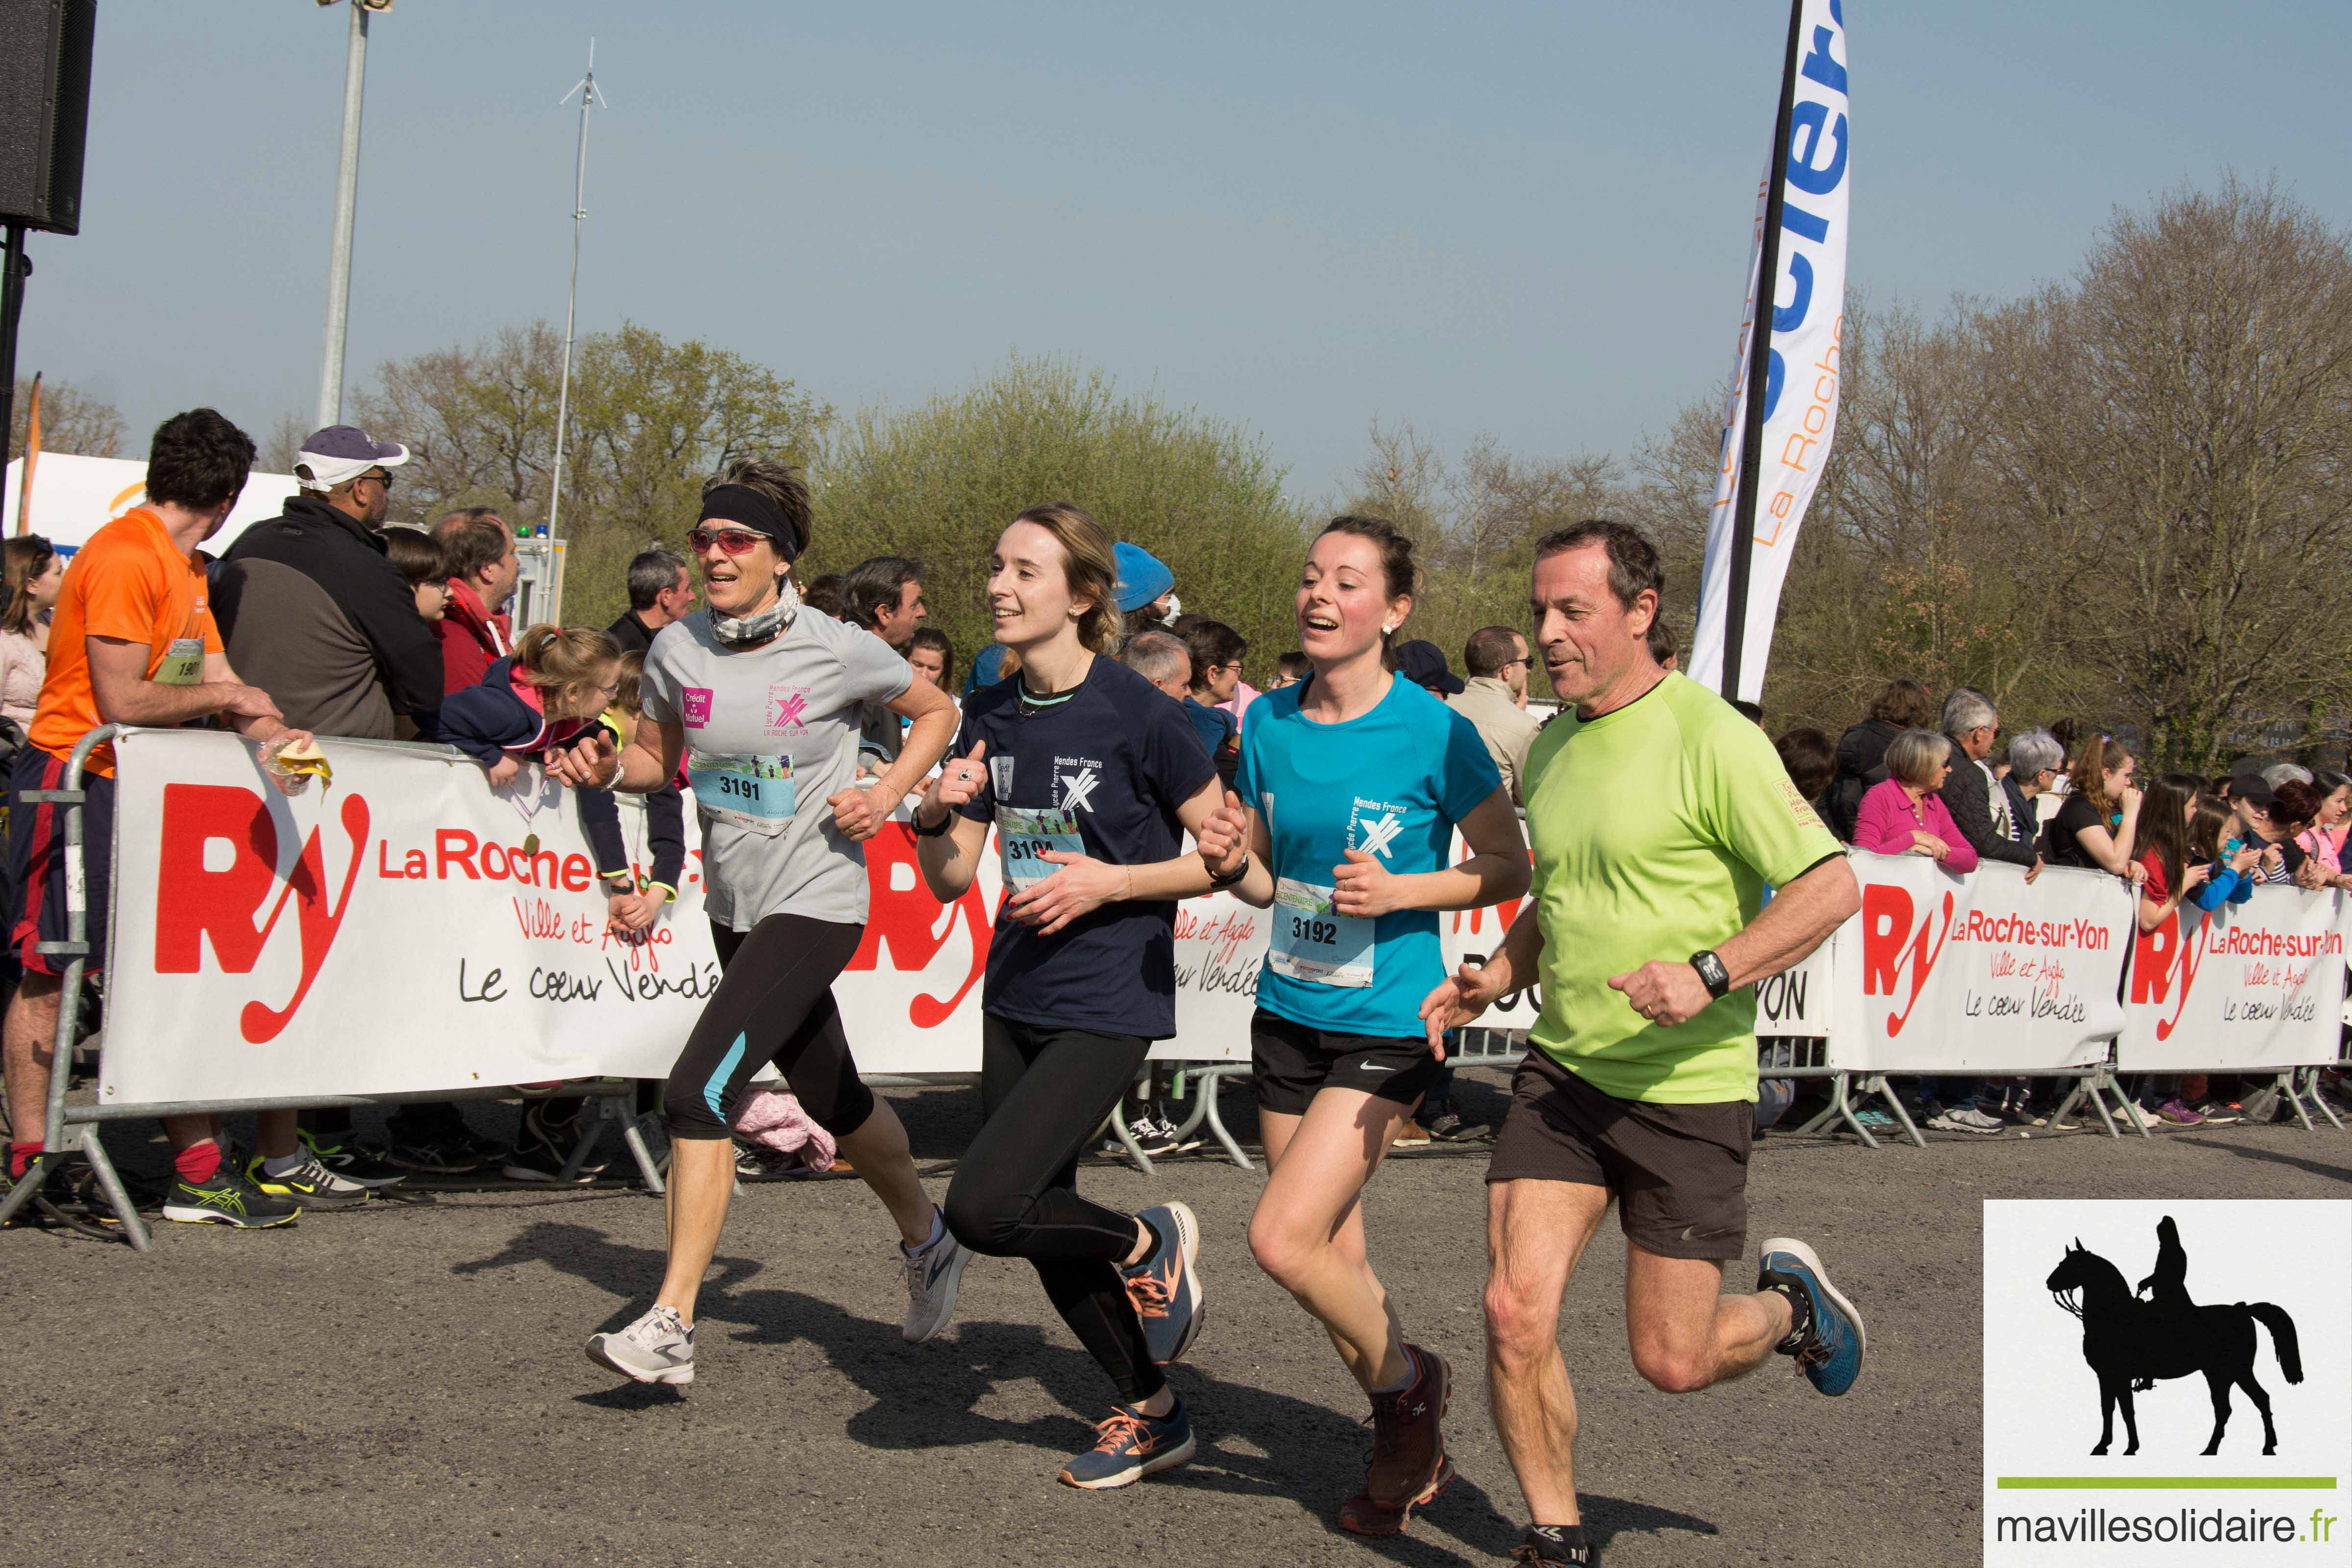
[[1166, 1286], [1876, 1121], [1130, 1445], [1830, 1345]]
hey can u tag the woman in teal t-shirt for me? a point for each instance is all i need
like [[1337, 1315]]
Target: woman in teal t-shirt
[[1342, 815]]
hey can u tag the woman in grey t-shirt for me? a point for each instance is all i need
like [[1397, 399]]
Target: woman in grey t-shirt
[[760, 701]]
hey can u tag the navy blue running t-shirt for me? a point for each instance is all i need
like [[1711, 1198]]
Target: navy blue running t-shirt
[[1101, 773]]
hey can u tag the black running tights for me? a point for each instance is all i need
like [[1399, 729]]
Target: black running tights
[[1045, 1093], [775, 1004]]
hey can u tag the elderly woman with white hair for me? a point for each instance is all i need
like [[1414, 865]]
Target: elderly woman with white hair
[[1903, 816]]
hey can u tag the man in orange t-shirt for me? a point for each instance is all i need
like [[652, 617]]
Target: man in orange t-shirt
[[131, 642]]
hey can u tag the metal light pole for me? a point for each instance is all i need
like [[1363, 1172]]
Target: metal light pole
[[347, 198], [589, 98]]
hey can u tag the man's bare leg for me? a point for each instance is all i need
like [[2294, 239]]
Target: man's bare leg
[[1535, 1233], [1685, 1333]]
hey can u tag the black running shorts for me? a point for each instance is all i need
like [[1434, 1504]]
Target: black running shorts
[[1290, 1060], [1679, 1173]]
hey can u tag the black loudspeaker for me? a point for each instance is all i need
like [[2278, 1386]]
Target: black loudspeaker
[[44, 109]]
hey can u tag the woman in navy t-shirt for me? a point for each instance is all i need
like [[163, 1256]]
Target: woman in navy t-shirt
[[1091, 776], [1350, 788]]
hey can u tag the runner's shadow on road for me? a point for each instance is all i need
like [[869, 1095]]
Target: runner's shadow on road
[[2246, 1151], [1253, 1441]]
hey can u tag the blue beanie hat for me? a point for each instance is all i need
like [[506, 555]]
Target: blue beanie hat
[[1141, 577]]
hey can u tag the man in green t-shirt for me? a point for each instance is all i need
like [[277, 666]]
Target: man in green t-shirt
[[1657, 816]]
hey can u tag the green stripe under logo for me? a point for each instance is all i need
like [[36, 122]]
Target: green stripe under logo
[[2168, 1483]]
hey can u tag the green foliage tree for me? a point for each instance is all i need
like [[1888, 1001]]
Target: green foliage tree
[[651, 419], [939, 482]]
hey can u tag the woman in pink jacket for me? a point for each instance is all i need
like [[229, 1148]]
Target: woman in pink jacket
[[1903, 814]]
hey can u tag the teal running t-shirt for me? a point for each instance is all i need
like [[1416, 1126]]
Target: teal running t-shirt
[[1392, 784]]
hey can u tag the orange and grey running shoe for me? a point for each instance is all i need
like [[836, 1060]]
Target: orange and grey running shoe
[[1166, 1286]]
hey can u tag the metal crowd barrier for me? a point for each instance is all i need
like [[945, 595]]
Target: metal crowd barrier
[[74, 1129]]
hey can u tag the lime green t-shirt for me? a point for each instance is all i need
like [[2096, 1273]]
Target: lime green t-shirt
[[1655, 829]]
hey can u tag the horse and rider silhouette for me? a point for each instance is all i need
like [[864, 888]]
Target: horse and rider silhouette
[[2130, 1344]]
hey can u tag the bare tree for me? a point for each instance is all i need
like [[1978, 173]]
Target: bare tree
[[2178, 424], [72, 420]]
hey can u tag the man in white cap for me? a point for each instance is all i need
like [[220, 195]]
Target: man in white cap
[[337, 638]]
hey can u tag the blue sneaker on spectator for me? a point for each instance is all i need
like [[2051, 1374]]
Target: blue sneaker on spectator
[[1827, 1338], [1130, 1445]]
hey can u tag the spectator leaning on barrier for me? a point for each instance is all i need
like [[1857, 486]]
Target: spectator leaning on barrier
[[134, 642], [1900, 705], [1905, 815], [313, 611], [2093, 825], [661, 590], [35, 572], [1979, 807], [483, 572], [2270, 818], [2167, 806], [1495, 700], [2323, 839]]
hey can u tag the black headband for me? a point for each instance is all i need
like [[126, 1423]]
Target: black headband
[[741, 503]]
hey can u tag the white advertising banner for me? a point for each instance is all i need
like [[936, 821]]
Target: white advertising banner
[[2252, 987], [402, 928], [1981, 974], [406, 928], [74, 497], [1807, 300]]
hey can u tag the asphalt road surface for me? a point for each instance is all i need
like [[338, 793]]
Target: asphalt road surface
[[404, 1385]]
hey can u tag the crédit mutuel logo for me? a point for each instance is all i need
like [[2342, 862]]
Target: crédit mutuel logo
[[2165, 1377]]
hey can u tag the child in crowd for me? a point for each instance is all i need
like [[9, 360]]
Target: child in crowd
[[557, 682], [631, 902], [424, 563]]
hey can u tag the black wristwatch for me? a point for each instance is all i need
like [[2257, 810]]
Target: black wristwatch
[[1219, 884], [1711, 973], [946, 822]]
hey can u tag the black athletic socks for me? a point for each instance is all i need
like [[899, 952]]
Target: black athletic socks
[[1801, 1308], [1556, 1546]]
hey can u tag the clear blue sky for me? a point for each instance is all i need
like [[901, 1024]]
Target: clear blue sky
[[1529, 219]]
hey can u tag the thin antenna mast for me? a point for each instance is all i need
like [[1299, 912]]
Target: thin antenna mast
[[589, 98]]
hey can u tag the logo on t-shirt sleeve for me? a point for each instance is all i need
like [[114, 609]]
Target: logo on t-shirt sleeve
[[697, 705]]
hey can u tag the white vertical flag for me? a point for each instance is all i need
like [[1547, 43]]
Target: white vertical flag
[[1803, 232]]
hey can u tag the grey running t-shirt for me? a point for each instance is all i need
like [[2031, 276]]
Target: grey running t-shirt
[[771, 735]]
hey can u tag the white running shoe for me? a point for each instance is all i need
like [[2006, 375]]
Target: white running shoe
[[932, 1272], [1968, 1118], [657, 1347]]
